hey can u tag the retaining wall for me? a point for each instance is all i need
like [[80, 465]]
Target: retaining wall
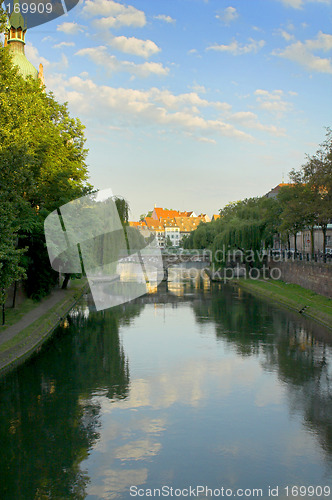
[[313, 275]]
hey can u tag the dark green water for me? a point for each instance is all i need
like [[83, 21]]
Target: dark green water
[[189, 386]]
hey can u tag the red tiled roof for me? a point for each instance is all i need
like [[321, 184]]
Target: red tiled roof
[[164, 214]]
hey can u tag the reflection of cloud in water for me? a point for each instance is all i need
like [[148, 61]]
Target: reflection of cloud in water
[[191, 384], [117, 481], [137, 450], [114, 481]]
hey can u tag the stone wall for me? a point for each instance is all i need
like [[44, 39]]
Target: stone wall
[[313, 275]]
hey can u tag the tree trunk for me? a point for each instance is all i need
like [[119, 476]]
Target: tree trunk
[[14, 294], [295, 246], [65, 281], [312, 241], [324, 229]]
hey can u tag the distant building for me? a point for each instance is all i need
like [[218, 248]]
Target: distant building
[[303, 238], [204, 218], [172, 231], [160, 213], [273, 193], [171, 224], [187, 214], [215, 217]]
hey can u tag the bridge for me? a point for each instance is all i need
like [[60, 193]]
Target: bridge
[[175, 258], [169, 258]]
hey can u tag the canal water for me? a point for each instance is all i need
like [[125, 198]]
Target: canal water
[[194, 386]]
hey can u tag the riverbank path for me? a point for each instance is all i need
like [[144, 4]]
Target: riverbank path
[[9, 333]]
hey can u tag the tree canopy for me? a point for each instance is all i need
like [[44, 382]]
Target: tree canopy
[[42, 166], [250, 224]]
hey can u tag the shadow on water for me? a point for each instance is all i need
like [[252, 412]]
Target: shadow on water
[[50, 420]]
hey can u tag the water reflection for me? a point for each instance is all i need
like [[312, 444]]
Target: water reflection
[[298, 350], [185, 385], [48, 417]]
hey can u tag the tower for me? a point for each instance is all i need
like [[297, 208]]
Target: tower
[[15, 40]]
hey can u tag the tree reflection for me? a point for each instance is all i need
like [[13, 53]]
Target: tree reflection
[[49, 419], [297, 349]]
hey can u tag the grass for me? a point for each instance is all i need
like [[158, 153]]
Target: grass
[[40, 328], [13, 315], [294, 297]]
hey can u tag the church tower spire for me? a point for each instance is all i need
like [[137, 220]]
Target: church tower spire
[[15, 40]]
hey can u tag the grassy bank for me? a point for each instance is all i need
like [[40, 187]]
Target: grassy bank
[[30, 338], [293, 297]]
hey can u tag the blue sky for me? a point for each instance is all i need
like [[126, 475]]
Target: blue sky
[[191, 104]]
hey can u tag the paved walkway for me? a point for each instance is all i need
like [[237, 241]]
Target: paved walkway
[[24, 346], [10, 332]]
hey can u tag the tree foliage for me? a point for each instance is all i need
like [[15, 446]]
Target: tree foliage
[[250, 224], [42, 166]]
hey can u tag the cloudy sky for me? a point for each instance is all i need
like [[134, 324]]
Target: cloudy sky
[[191, 104]]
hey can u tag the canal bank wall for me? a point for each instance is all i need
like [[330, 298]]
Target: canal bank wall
[[21, 341], [315, 276], [291, 296]]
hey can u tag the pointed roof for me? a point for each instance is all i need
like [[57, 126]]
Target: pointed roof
[[15, 40], [16, 19]]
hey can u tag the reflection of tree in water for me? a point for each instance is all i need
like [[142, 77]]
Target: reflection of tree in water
[[48, 420], [236, 320], [287, 344]]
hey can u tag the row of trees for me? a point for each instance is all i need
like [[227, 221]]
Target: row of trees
[[42, 166], [251, 224]]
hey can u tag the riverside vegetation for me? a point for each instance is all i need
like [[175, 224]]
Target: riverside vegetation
[[249, 225]]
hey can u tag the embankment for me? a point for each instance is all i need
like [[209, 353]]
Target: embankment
[[291, 296], [19, 342], [315, 276]]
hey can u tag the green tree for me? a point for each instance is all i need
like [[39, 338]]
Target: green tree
[[3, 20], [317, 175], [168, 242], [293, 215], [42, 166], [143, 216], [11, 269]]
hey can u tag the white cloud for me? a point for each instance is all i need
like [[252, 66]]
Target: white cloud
[[116, 14], [132, 45], [286, 36], [200, 89], [302, 53], [207, 140], [236, 49], [63, 44], [34, 57], [298, 4], [122, 107], [227, 15], [48, 39], [167, 19], [273, 101], [250, 120], [99, 55], [70, 28]]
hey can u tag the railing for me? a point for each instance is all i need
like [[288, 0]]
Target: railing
[[291, 255]]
